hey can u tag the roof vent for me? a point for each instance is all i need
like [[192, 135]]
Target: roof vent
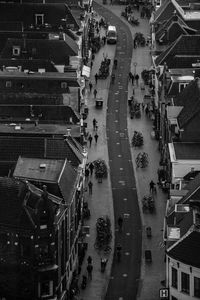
[[43, 166]]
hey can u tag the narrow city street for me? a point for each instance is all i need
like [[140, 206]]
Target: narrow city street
[[130, 278]]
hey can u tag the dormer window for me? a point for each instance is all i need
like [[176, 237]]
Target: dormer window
[[39, 19], [182, 86], [63, 85], [16, 50]]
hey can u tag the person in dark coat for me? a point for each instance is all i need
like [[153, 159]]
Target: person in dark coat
[[96, 78], [90, 86], [95, 93], [90, 138], [91, 167], [89, 260], [96, 137]]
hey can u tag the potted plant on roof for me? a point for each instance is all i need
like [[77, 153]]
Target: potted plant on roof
[[100, 169]]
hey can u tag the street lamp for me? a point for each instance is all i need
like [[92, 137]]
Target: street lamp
[[135, 65]]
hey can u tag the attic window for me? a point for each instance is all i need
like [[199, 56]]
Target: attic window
[[182, 86], [16, 50], [39, 19], [8, 84], [63, 85]]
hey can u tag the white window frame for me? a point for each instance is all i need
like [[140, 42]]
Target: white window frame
[[16, 50], [39, 16]]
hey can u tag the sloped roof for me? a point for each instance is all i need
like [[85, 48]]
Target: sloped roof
[[188, 151], [184, 46], [25, 12], [54, 113], [12, 194], [29, 64], [34, 147], [57, 51], [181, 220], [174, 23], [58, 175], [189, 98], [164, 12], [187, 249]]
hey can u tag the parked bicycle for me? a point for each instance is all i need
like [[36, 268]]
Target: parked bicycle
[[142, 160]]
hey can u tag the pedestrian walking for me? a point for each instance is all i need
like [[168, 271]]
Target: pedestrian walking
[[152, 187], [90, 186], [95, 93], [94, 124], [130, 76], [91, 167], [87, 174], [91, 64], [89, 270], [96, 137], [90, 138], [120, 223], [90, 86], [96, 78], [104, 39], [89, 260], [137, 79], [132, 79]]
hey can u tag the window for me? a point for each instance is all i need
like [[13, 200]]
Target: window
[[182, 86], [46, 288], [16, 50], [185, 283], [197, 287], [39, 19], [63, 85], [174, 278], [8, 84]]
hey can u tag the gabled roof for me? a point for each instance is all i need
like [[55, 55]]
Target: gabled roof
[[25, 12], [187, 249], [54, 113], [184, 47], [164, 12], [189, 98], [58, 175], [18, 203], [171, 29], [193, 188], [187, 151], [57, 51], [38, 147]]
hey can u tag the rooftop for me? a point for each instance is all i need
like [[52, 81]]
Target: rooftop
[[41, 169], [187, 151], [187, 249]]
